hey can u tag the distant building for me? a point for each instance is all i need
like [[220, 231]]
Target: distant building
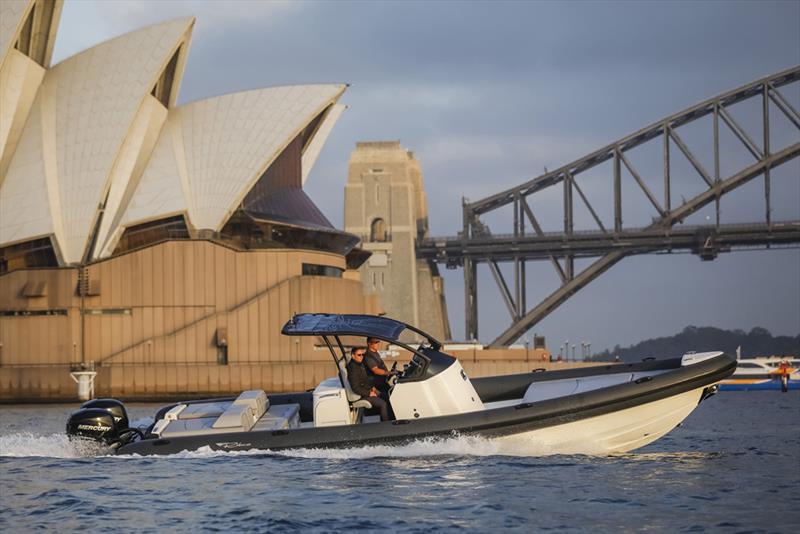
[[386, 206], [164, 244]]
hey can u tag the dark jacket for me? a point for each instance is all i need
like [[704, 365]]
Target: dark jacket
[[357, 376]]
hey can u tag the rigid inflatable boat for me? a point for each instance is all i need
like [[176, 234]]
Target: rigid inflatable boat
[[605, 408]]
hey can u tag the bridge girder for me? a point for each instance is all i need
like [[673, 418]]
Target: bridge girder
[[703, 240], [476, 244]]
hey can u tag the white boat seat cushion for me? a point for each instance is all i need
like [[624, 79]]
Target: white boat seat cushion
[[204, 409], [279, 417], [239, 417], [255, 399], [193, 427]]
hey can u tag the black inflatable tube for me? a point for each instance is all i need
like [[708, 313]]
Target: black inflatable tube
[[500, 388]]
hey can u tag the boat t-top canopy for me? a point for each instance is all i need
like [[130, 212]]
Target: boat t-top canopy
[[331, 324]]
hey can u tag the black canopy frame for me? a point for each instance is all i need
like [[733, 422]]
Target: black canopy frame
[[337, 325]]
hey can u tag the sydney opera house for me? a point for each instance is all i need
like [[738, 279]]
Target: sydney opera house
[[163, 244]]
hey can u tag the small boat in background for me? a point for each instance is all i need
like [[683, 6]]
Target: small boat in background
[[767, 373]]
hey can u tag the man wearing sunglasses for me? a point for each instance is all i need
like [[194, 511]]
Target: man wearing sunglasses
[[359, 382]]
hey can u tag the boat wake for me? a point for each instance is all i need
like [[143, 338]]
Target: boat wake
[[60, 446], [421, 448], [27, 444], [56, 445], [452, 446]]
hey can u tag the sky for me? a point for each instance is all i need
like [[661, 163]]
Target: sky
[[489, 94]]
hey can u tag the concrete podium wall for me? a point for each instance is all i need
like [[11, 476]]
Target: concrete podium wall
[[172, 382], [157, 318]]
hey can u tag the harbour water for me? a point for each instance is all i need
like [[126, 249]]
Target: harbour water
[[733, 466]]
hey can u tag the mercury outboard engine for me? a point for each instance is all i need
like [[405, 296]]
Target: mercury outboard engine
[[93, 423], [103, 420], [112, 406]]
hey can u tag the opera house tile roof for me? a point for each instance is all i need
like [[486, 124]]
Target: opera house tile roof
[[95, 146]]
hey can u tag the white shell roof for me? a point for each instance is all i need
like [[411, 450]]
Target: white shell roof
[[93, 135], [11, 14], [162, 189], [318, 141], [211, 152], [95, 96], [25, 209]]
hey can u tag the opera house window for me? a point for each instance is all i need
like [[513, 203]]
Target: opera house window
[[311, 269], [144, 234], [378, 231], [34, 253]]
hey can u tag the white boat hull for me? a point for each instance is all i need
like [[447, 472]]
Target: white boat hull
[[616, 432], [609, 409]]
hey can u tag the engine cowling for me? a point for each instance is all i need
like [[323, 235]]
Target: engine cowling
[[112, 406], [93, 423]]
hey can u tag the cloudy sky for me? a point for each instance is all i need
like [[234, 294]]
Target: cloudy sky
[[489, 94]]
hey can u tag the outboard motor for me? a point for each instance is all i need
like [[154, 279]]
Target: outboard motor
[[103, 420], [93, 423], [112, 406]]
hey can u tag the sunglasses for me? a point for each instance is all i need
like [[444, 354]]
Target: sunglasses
[[359, 354]]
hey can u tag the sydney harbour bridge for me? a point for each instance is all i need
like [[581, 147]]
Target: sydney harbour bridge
[[757, 156]]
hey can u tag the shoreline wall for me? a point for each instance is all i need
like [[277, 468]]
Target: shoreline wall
[[25, 384], [158, 320]]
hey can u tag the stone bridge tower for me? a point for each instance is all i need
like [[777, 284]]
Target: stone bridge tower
[[385, 204]]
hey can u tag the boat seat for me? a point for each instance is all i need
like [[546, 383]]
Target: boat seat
[[239, 417], [278, 417], [204, 409], [192, 427], [244, 411], [353, 398], [256, 399]]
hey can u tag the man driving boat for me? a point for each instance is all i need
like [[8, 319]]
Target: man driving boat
[[357, 375], [376, 369]]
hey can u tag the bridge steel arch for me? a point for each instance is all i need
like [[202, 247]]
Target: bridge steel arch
[[476, 244]]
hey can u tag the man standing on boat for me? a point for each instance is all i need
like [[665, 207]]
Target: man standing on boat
[[357, 375], [378, 373]]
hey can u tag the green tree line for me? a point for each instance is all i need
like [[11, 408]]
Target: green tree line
[[758, 342]]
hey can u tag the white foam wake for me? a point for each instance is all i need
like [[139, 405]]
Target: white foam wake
[[60, 446], [453, 446], [428, 447], [27, 444]]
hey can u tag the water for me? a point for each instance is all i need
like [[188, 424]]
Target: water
[[733, 466]]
